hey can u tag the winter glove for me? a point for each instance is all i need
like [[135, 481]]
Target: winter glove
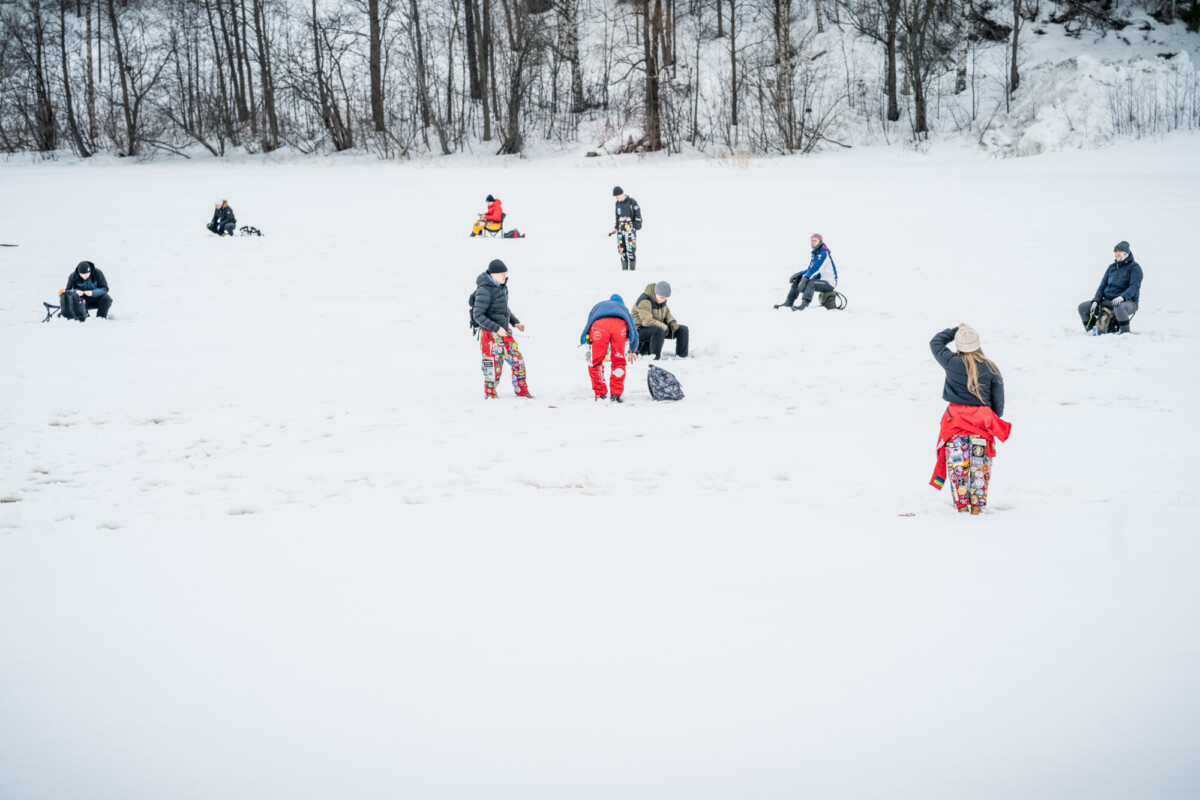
[[1118, 301], [795, 277], [1095, 305]]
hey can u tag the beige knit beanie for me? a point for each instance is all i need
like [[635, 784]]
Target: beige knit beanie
[[966, 340]]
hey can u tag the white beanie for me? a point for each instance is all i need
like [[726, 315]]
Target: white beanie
[[966, 340]]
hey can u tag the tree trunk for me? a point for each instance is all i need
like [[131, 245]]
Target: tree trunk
[[720, 22], [376, 61], [422, 82], [131, 143], [226, 120], [472, 14], [651, 23], [1014, 78], [91, 83], [486, 73], [271, 136], [960, 50], [568, 23], [893, 17], [46, 127], [733, 81], [231, 56], [820, 23], [785, 103], [80, 147]]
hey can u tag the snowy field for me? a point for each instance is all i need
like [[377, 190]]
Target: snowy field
[[261, 536]]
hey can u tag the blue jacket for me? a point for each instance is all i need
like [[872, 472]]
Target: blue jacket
[[816, 266], [96, 283], [613, 307], [1121, 279]]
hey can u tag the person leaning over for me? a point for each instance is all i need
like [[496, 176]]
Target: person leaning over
[[87, 288]]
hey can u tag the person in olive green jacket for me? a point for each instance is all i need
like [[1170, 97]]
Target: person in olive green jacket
[[655, 323]]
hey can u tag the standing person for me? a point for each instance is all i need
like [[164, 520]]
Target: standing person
[[971, 424], [655, 323], [491, 313], [1119, 290], [223, 221], [609, 325], [819, 276], [494, 215], [628, 223], [87, 288]]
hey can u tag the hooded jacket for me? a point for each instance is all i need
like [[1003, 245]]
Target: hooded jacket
[[1122, 279], [629, 208], [818, 269], [495, 212], [648, 312], [96, 283], [613, 307], [223, 215], [491, 311]]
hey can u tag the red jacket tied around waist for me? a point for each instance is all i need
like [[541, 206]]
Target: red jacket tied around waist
[[960, 420]]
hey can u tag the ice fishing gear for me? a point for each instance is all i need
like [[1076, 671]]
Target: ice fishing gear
[[52, 310], [249, 230], [833, 301]]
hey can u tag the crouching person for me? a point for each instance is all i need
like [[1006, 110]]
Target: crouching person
[[491, 313], [655, 323], [86, 289], [609, 327]]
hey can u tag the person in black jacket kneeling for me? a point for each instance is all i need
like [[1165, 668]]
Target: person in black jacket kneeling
[[86, 289], [223, 221]]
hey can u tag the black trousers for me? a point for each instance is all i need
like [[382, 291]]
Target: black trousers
[[809, 287], [218, 229], [650, 341], [1123, 312]]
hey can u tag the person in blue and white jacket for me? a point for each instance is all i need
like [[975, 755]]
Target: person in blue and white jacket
[[821, 276]]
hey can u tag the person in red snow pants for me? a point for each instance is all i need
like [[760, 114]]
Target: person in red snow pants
[[606, 333]]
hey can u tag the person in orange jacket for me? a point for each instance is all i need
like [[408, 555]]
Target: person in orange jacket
[[494, 213], [971, 423]]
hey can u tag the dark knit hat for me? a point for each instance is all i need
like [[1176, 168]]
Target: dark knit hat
[[618, 191], [662, 288], [491, 199], [496, 266], [85, 266], [1122, 246]]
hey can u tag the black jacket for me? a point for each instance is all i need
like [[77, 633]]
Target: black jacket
[[223, 215], [991, 385], [96, 283], [629, 208], [1121, 279], [491, 311]]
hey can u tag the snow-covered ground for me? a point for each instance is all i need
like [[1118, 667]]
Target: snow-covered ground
[[263, 538]]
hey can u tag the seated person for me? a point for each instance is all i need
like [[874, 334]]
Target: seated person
[[655, 322], [492, 219], [86, 289], [223, 221], [1119, 290], [819, 276]]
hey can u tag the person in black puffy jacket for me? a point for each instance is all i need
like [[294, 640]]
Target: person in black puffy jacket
[[90, 287], [223, 221], [1120, 289], [496, 321], [628, 222]]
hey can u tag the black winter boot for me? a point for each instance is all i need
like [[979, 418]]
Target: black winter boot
[[616, 398]]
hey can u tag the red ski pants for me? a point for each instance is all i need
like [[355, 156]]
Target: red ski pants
[[608, 333]]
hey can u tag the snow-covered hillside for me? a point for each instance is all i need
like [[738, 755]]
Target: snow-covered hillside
[[262, 537]]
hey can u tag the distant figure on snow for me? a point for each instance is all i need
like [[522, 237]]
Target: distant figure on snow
[[492, 219], [655, 322], [819, 276], [86, 289], [628, 223], [609, 327], [495, 320], [971, 424], [1117, 295], [223, 222]]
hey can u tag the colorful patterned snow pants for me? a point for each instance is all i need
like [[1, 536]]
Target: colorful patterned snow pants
[[495, 352], [968, 469], [627, 244]]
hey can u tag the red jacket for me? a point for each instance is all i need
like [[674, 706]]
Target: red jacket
[[495, 212], [960, 420]]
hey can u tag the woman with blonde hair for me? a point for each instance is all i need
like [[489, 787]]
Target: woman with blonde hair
[[971, 424]]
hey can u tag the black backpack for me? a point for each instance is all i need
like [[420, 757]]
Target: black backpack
[[663, 385], [471, 306], [73, 307]]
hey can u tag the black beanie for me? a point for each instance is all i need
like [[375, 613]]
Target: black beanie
[[1122, 246], [617, 190], [85, 266], [491, 199], [496, 266]]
